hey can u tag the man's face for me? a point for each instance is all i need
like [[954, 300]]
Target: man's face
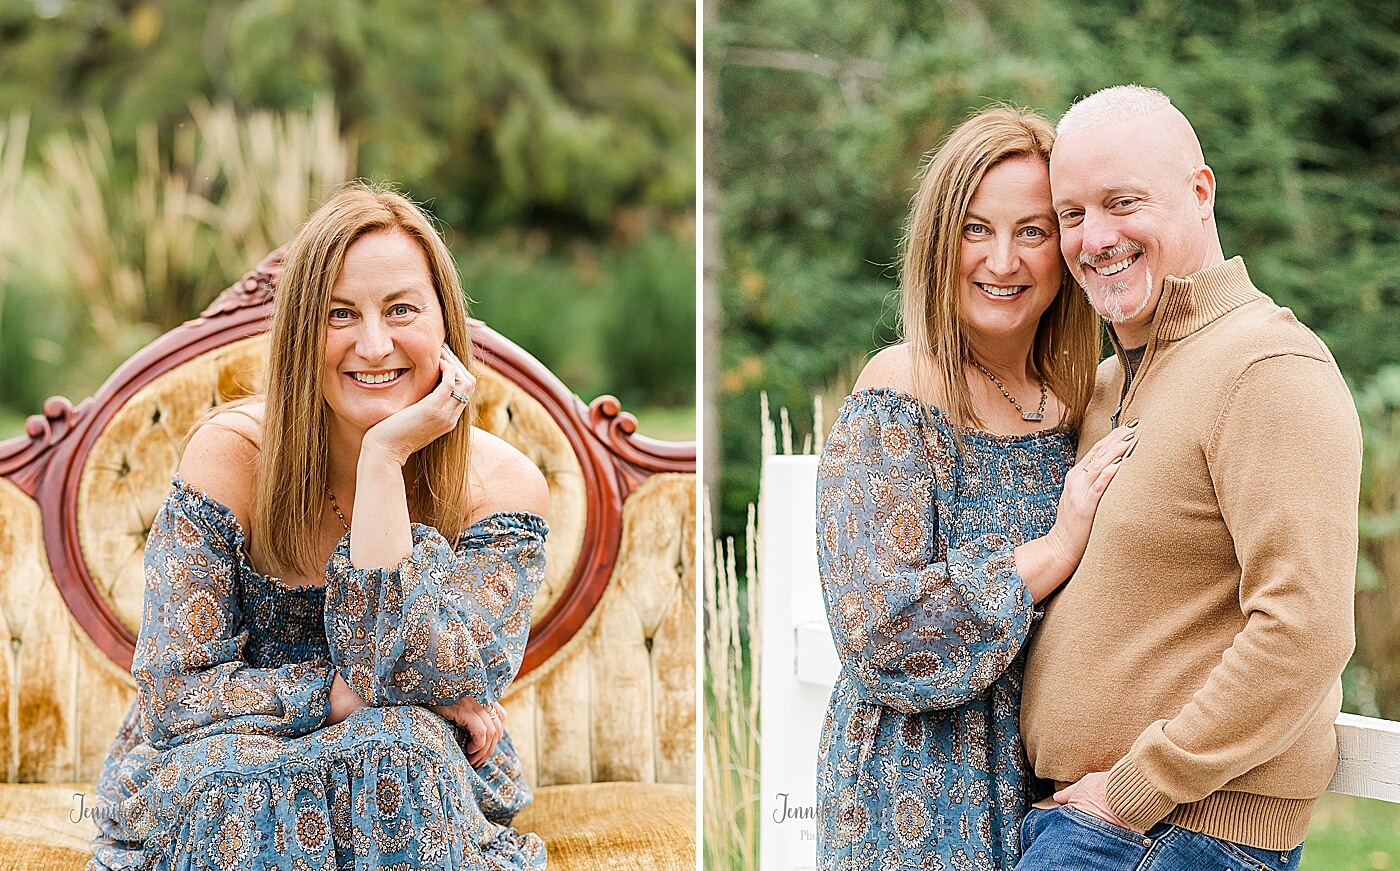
[[1133, 208]]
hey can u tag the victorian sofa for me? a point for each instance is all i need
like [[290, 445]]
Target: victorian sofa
[[603, 712]]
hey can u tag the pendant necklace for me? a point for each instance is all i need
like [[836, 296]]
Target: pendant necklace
[[1037, 415]]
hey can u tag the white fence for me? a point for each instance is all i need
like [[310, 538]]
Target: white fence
[[800, 667]]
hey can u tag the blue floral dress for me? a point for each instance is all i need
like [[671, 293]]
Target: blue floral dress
[[223, 761], [921, 764]]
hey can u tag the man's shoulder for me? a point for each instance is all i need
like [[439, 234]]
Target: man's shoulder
[[1264, 328], [1262, 352]]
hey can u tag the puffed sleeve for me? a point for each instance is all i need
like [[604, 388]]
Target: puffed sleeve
[[918, 631], [444, 624], [191, 677]]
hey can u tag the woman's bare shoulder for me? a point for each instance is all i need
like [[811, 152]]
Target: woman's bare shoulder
[[221, 456], [503, 479], [890, 368]]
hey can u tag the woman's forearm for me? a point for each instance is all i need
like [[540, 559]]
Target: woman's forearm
[[1043, 566], [380, 535]]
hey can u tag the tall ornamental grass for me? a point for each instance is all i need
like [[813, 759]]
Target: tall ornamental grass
[[13, 134], [733, 659], [105, 246]]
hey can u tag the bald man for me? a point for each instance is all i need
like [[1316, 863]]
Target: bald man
[[1181, 691]]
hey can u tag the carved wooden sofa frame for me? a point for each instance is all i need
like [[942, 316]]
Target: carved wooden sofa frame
[[603, 712]]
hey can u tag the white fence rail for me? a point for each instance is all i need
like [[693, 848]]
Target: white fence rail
[[800, 667]]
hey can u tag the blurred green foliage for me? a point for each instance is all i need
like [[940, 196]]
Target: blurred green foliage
[[1374, 673], [626, 315], [547, 113], [828, 108], [99, 253], [555, 141]]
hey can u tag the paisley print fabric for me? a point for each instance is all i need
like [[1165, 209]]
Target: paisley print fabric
[[921, 763], [446, 624], [224, 760]]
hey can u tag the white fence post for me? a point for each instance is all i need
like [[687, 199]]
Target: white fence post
[[792, 710]]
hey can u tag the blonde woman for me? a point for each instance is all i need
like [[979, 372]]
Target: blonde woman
[[948, 505], [337, 590]]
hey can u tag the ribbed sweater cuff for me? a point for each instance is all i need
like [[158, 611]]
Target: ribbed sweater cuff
[[1133, 798]]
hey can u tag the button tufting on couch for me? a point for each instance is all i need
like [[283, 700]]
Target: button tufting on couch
[[603, 713]]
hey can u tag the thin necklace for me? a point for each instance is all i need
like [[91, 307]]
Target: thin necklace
[[1038, 414], [335, 506]]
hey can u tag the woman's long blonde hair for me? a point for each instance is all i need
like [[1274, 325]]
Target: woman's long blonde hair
[[292, 462], [1066, 348]]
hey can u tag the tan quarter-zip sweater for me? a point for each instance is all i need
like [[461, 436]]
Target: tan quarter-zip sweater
[[1196, 652]]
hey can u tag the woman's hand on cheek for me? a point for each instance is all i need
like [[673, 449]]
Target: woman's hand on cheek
[[411, 429]]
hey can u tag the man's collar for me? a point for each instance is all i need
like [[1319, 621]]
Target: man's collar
[[1189, 303]]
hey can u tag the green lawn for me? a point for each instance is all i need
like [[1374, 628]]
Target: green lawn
[[1353, 834], [11, 423], [671, 424]]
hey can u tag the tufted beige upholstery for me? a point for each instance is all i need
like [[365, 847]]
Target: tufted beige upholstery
[[618, 702], [612, 711], [64, 696]]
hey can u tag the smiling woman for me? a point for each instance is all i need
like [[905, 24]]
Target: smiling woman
[[362, 246], [384, 342], [298, 663], [1009, 265], [947, 508]]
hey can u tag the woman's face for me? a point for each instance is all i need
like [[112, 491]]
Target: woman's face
[[1010, 266], [384, 330]]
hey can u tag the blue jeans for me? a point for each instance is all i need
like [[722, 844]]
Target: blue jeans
[[1068, 839]]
